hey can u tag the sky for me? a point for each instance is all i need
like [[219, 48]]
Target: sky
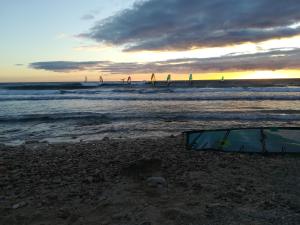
[[66, 40]]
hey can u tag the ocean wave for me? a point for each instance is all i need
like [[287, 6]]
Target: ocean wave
[[28, 92], [139, 87], [53, 117], [159, 90], [63, 85], [95, 118], [152, 98]]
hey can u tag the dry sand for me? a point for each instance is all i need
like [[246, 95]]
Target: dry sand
[[145, 182]]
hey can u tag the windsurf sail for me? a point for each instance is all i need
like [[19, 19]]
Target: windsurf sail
[[169, 79], [256, 140], [129, 80], [153, 80]]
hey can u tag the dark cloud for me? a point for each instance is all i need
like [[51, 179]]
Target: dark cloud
[[88, 17], [66, 66], [182, 24], [274, 60], [18, 64]]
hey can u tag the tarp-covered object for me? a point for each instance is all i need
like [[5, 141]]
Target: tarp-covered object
[[260, 140]]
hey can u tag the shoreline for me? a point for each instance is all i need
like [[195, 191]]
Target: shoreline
[[145, 181]]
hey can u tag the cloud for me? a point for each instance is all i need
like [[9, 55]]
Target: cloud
[[273, 60], [182, 25], [19, 64], [88, 17], [66, 66]]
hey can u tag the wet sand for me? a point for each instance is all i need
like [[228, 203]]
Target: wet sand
[[145, 182]]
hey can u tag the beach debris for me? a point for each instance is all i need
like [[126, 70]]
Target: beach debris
[[19, 205], [156, 182]]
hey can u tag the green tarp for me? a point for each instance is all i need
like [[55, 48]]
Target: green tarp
[[260, 140]]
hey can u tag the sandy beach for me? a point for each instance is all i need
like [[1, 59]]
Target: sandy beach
[[145, 182]]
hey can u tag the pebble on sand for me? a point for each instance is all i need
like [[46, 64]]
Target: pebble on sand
[[156, 182]]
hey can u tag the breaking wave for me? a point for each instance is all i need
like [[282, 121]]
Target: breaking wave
[[166, 117], [150, 98]]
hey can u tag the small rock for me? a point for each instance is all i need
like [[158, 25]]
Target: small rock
[[240, 189], [63, 213], [156, 182], [118, 216], [73, 218], [179, 215], [57, 180], [19, 205], [30, 142], [215, 205], [52, 197], [90, 179]]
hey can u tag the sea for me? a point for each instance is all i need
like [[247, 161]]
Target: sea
[[74, 112]]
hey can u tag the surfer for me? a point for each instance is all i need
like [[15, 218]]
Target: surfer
[[100, 80]]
